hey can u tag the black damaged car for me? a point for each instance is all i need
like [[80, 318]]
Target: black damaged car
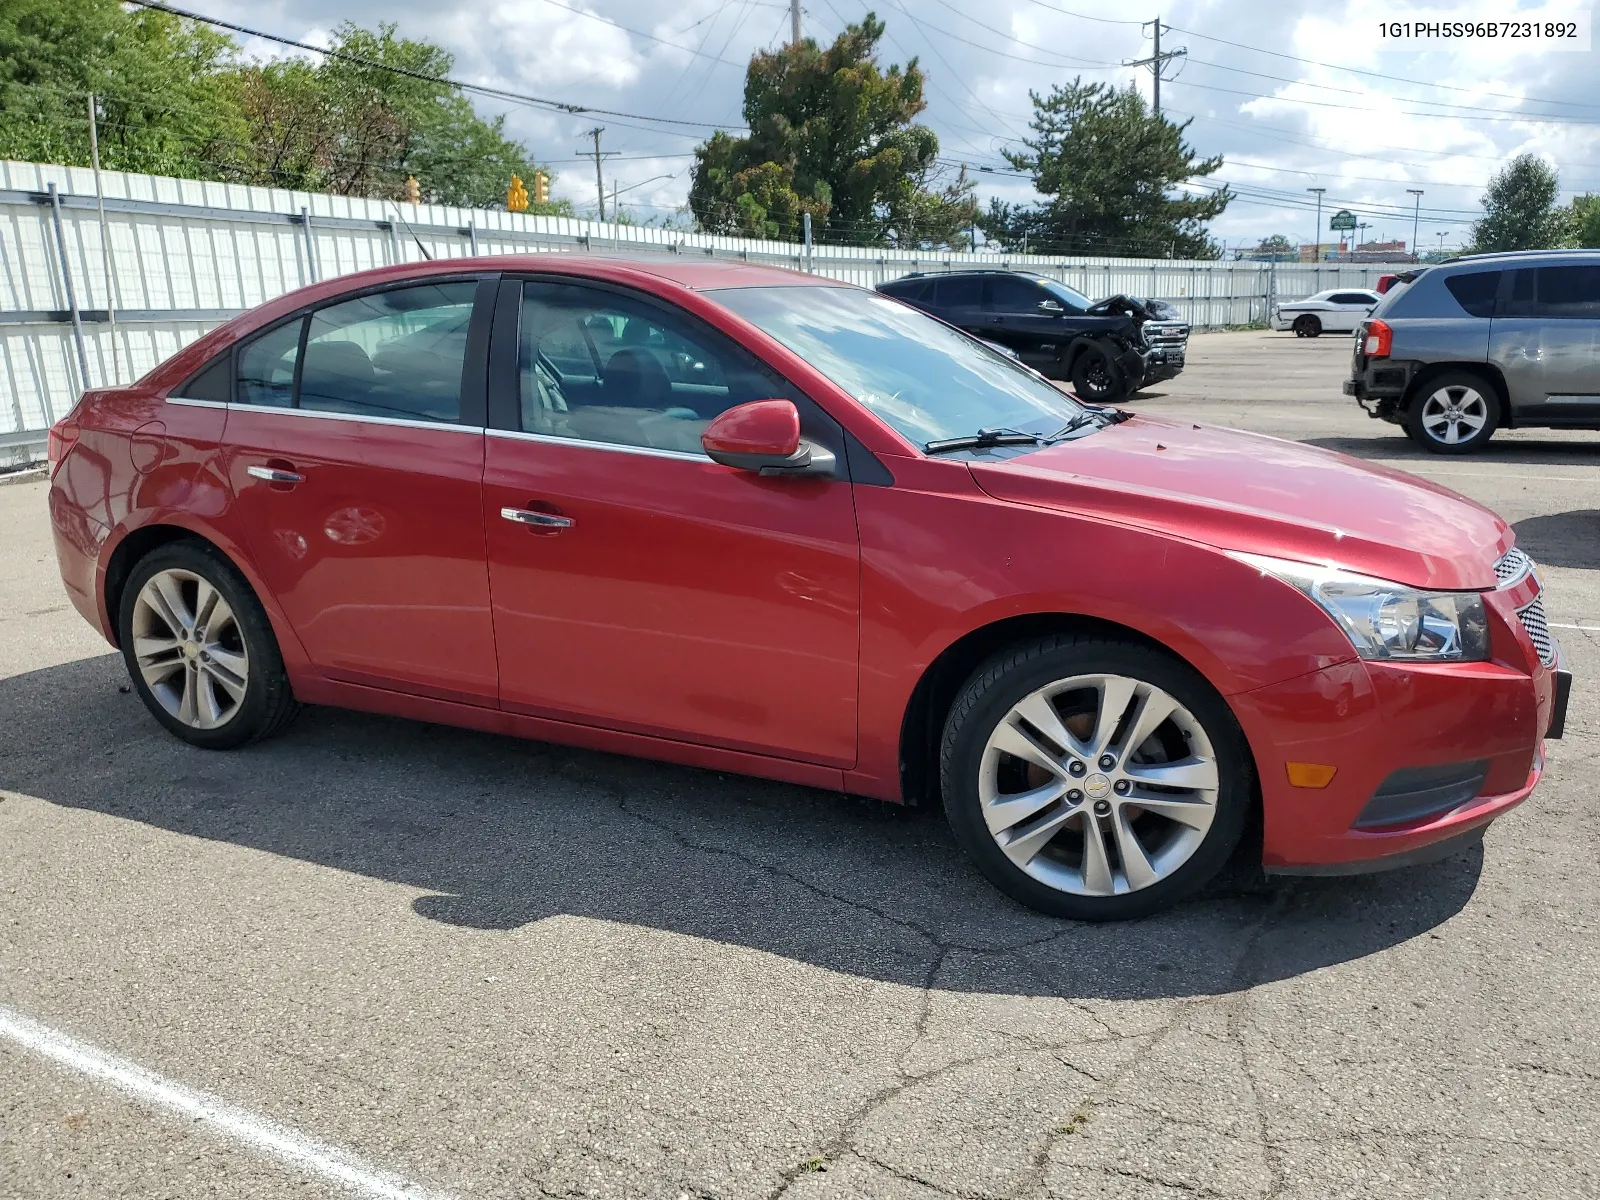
[[1107, 349]]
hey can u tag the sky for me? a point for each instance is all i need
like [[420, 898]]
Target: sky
[[1293, 96]]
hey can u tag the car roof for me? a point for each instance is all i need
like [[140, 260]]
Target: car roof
[[1517, 256], [967, 271]]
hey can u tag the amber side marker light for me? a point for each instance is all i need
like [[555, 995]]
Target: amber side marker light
[[1311, 775]]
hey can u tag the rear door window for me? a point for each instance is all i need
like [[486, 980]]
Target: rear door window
[[1475, 291], [267, 366], [964, 291], [397, 353], [1555, 293]]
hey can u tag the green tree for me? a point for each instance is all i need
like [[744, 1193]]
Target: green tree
[[1520, 210], [166, 107], [1584, 221], [1108, 167], [831, 134], [175, 100]]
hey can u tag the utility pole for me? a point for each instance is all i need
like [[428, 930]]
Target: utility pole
[[105, 244], [1316, 240], [599, 179], [1156, 62], [794, 22], [1416, 218]]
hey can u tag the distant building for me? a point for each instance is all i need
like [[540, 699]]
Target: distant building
[[1381, 248], [1322, 250]]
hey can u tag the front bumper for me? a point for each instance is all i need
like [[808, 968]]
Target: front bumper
[[1370, 720]]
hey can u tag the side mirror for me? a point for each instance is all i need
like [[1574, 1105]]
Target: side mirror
[[764, 436], [1051, 306]]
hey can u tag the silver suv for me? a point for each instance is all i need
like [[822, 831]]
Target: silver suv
[[1456, 351]]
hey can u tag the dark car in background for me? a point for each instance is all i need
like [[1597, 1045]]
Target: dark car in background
[[1107, 349], [1481, 343]]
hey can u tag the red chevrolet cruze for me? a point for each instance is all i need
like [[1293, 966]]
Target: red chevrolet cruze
[[761, 522]]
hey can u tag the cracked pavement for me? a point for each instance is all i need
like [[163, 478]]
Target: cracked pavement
[[506, 969]]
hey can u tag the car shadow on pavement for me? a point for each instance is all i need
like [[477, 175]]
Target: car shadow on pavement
[[1391, 444], [500, 833], [1569, 539]]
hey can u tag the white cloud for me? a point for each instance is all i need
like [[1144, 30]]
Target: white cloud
[[1365, 143]]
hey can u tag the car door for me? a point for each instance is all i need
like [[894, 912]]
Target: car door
[[1545, 335], [1015, 318], [638, 585], [354, 447], [1347, 310]]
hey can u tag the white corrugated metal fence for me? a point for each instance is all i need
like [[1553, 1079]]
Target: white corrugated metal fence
[[187, 254]]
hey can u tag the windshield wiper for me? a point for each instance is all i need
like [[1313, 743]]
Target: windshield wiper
[[984, 439], [1090, 416]]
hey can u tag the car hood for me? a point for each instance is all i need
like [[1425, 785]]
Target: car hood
[[1261, 495]]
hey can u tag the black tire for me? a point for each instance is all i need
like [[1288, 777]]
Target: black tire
[[1011, 675], [268, 703], [1307, 326], [1476, 395], [1096, 379]]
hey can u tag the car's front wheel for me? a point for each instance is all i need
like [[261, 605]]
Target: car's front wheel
[[1094, 779], [200, 650], [1096, 379], [1307, 326], [1454, 414]]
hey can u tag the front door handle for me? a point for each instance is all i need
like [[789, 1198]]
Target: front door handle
[[274, 475], [539, 520]]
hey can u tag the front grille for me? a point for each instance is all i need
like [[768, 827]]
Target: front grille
[[1512, 567], [1532, 616]]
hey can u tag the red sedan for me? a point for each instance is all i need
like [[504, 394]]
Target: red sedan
[[761, 522]]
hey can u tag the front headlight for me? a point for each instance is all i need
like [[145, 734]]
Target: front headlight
[[1389, 620]]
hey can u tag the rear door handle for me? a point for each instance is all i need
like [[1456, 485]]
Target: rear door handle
[[540, 520], [274, 475]]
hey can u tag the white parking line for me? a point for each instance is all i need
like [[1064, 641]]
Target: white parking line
[[256, 1132], [1416, 468], [1583, 628]]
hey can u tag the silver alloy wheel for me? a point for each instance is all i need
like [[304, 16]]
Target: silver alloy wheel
[[1454, 414], [190, 649], [1098, 785]]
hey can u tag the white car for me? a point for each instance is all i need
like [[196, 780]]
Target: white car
[[1338, 310]]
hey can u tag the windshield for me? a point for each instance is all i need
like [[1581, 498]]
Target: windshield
[[923, 378], [1071, 297]]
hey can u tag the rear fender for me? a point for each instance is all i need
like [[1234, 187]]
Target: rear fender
[[295, 660]]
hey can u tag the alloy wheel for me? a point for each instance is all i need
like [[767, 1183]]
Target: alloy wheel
[[1098, 785], [1454, 414], [189, 649]]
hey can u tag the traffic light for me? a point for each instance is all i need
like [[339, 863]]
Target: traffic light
[[541, 188], [413, 190], [516, 196]]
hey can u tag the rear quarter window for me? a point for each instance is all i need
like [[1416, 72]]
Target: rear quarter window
[[1475, 291]]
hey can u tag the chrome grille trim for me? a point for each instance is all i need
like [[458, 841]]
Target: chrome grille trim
[[1512, 567], [1532, 618]]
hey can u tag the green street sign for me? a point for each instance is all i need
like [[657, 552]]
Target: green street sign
[[1343, 219]]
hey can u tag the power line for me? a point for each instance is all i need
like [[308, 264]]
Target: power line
[[445, 81], [649, 37], [1311, 62]]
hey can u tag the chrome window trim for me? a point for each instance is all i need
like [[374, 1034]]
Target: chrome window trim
[[615, 447], [184, 400], [401, 422]]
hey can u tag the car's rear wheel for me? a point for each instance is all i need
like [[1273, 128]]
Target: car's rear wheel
[[1094, 779], [200, 650], [1453, 414], [1307, 326], [1098, 380]]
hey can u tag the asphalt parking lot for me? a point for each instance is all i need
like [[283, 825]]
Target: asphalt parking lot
[[423, 961]]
